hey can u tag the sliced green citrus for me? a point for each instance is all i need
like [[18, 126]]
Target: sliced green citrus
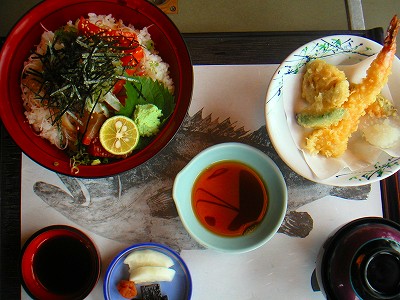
[[119, 135]]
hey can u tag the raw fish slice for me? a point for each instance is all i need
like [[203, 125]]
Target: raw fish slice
[[151, 274], [143, 258]]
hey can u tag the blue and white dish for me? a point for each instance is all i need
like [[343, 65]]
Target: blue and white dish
[[180, 288], [339, 50]]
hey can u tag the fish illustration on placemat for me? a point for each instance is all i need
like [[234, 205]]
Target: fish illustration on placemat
[[137, 205]]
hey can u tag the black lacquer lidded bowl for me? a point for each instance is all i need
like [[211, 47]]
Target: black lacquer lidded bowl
[[361, 260]]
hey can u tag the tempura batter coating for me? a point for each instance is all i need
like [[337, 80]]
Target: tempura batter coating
[[324, 86], [381, 108], [332, 141]]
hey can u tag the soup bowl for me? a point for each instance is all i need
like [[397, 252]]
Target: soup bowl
[[361, 260], [270, 177]]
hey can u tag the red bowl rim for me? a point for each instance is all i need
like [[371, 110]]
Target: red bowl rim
[[50, 161]]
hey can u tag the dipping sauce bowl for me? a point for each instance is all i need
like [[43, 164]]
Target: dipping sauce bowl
[[231, 197], [59, 262]]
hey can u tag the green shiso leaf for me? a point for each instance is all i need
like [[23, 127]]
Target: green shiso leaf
[[130, 102], [144, 90]]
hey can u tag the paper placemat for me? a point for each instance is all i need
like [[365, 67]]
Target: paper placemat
[[227, 105]]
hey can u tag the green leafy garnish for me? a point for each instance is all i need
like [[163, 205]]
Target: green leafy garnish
[[130, 102], [144, 90]]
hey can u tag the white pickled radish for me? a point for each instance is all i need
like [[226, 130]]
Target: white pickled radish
[[151, 274], [143, 258]]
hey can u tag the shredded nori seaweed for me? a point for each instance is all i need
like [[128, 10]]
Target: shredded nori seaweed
[[77, 70], [152, 292]]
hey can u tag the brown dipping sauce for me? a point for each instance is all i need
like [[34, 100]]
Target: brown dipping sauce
[[229, 198]]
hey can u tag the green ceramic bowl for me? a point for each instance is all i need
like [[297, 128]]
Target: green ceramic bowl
[[267, 171]]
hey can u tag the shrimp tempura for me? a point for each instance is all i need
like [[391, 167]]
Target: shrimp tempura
[[332, 141]]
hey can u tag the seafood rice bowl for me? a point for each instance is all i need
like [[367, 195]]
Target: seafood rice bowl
[[100, 87]]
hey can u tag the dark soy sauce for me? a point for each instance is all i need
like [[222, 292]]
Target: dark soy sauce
[[229, 198], [63, 265]]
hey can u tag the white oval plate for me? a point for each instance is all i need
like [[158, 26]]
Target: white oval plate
[[336, 50]]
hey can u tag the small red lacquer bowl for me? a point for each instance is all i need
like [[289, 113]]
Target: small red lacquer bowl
[[61, 263]]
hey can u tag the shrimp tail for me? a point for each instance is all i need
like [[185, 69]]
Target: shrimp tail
[[385, 57], [391, 33]]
